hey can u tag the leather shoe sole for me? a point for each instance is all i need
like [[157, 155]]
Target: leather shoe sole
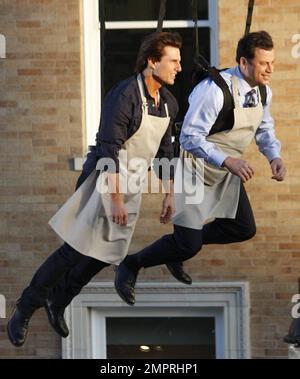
[[63, 330], [179, 274], [125, 273], [15, 321]]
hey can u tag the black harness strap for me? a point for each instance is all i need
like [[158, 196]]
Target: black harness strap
[[263, 94], [249, 16], [262, 89], [225, 119], [199, 60], [196, 35], [161, 15]]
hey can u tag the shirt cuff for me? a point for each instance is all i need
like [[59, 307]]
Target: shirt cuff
[[217, 158], [272, 154]]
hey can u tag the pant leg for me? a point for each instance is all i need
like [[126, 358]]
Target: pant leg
[[183, 244], [47, 276], [74, 280], [225, 230]]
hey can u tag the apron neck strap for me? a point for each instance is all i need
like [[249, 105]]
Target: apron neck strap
[[142, 92], [143, 96], [167, 109], [235, 91]]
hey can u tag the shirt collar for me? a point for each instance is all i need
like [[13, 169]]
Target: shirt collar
[[244, 86], [147, 94]]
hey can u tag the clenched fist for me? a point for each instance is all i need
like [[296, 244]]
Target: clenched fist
[[239, 167]]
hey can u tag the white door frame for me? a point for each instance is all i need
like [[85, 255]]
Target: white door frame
[[228, 302]]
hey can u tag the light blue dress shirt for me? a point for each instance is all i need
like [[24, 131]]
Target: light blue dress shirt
[[205, 103]]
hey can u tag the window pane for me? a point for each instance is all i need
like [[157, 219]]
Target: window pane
[[145, 10], [120, 55], [160, 337]]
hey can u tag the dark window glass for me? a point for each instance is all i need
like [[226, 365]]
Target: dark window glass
[[145, 10], [121, 47], [160, 338]]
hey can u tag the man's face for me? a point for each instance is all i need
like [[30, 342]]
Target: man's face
[[259, 69], [166, 69]]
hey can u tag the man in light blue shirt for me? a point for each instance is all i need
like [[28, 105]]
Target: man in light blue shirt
[[205, 104], [225, 198]]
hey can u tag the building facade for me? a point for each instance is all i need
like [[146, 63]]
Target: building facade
[[53, 72]]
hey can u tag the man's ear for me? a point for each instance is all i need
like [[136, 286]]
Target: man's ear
[[151, 63], [243, 62]]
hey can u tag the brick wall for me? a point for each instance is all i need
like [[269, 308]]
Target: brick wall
[[41, 129]]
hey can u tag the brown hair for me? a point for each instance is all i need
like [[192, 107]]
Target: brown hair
[[153, 46], [247, 45]]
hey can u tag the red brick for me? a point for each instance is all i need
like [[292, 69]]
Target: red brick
[[29, 72]]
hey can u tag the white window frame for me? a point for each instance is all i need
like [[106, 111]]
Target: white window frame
[[227, 302], [92, 60]]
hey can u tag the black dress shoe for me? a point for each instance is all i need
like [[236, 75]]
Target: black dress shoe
[[17, 327], [124, 283], [293, 336], [176, 269], [56, 318]]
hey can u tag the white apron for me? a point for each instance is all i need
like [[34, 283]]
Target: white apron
[[221, 188], [85, 220]]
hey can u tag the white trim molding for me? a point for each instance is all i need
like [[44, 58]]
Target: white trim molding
[[153, 24], [228, 302], [211, 23], [92, 62]]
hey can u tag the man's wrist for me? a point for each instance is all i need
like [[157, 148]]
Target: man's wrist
[[274, 159], [168, 186], [226, 160], [169, 194], [116, 197]]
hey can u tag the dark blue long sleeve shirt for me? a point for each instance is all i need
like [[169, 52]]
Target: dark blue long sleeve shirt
[[121, 117]]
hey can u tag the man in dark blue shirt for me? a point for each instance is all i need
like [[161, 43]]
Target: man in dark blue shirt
[[67, 270], [122, 111]]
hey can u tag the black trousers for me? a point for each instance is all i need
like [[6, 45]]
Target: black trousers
[[184, 243], [62, 276], [64, 273]]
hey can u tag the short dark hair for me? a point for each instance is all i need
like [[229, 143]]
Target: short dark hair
[[247, 45], [153, 46]]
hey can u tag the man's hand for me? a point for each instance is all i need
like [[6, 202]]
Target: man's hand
[[278, 169], [239, 167], [118, 209], [168, 208]]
